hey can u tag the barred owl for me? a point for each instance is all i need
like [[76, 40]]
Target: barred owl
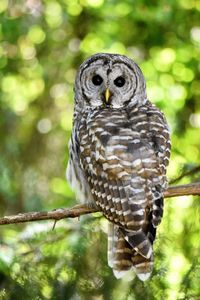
[[119, 151]]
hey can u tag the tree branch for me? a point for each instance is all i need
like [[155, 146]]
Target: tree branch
[[78, 210], [183, 190]]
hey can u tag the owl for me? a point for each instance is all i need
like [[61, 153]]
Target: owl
[[119, 151]]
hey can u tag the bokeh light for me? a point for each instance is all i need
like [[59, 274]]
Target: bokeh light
[[42, 43]]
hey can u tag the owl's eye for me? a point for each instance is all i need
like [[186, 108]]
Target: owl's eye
[[119, 81], [97, 80]]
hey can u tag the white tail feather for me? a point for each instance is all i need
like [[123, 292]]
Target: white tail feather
[[143, 276]]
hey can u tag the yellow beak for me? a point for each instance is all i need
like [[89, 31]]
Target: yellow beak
[[107, 95]]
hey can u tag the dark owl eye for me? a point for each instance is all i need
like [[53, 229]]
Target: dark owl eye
[[119, 81], [97, 80]]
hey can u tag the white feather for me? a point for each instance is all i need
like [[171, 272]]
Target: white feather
[[143, 276], [119, 274]]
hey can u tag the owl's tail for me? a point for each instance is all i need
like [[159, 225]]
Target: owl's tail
[[122, 256]]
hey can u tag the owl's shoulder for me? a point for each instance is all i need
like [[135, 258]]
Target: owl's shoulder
[[153, 113], [153, 110]]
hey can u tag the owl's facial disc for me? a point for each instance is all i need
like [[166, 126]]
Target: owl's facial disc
[[112, 84]]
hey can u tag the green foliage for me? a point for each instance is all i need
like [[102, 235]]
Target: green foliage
[[42, 43]]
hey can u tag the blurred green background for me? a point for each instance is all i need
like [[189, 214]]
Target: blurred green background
[[42, 43]]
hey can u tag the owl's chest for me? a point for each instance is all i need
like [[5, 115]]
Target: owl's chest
[[115, 139], [110, 128]]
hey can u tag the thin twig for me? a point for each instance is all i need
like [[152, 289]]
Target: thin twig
[[187, 173], [78, 210]]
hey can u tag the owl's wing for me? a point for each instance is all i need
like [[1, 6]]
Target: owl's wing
[[75, 173], [150, 122], [160, 137]]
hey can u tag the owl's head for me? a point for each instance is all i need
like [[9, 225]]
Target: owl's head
[[109, 80]]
